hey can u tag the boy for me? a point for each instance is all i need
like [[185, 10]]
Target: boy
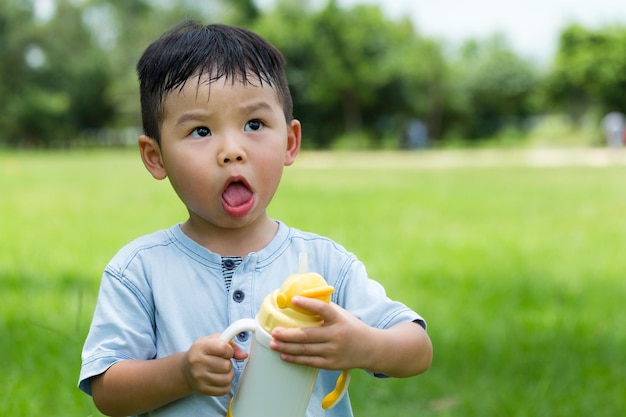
[[217, 118]]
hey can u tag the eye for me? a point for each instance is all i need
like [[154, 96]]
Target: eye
[[200, 132], [253, 125]]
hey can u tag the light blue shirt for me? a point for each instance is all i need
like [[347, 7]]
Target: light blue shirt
[[163, 291]]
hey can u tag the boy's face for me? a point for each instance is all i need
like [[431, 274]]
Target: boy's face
[[223, 147]]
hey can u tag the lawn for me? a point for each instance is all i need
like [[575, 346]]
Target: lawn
[[519, 271]]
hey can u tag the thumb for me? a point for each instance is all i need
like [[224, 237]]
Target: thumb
[[239, 353]]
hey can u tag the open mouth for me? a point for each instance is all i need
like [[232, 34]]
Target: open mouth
[[237, 198]]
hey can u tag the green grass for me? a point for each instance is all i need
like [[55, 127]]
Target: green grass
[[519, 272]]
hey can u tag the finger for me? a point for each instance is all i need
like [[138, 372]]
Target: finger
[[301, 353], [311, 354], [298, 349], [217, 365], [300, 335], [214, 346], [213, 374], [323, 309], [215, 383], [312, 361], [200, 366], [218, 377], [239, 353]]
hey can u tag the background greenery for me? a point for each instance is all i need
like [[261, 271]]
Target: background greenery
[[518, 270], [358, 78]]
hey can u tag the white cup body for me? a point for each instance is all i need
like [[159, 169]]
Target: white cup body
[[268, 386]]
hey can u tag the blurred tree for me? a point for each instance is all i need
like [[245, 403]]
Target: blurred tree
[[242, 12], [290, 26], [70, 71], [17, 47], [352, 70], [124, 29], [79, 66], [58, 77], [489, 87], [589, 71]]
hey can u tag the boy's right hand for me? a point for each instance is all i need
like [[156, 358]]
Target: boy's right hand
[[207, 366]]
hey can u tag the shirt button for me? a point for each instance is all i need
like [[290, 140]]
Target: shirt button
[[238, 296], [229, 264], [243, 336]]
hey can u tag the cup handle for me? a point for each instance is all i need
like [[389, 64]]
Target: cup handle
[[337, 394], [243, 325]]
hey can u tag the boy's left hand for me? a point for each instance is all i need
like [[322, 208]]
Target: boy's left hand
[[341, 343]]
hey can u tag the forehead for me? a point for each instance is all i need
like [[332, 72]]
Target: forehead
[[203, 90]]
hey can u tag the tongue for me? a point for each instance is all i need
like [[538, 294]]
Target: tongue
[[236, 194]]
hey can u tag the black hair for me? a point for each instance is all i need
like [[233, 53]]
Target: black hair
[[214, 51]]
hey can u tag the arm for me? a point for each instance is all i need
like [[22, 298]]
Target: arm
[[137, 386], [345, 342], [403, 350]]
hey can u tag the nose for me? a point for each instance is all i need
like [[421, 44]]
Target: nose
[[232, 157], [231, 152]]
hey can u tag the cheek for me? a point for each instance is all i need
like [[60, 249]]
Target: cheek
[[272, 168], [189, 182]]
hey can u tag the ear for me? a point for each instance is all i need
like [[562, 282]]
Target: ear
[[294, 132], [151, 156]]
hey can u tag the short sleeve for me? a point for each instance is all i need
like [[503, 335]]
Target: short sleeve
[[122, 327], [367, 299]]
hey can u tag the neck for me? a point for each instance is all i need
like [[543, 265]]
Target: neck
[[235, 241]]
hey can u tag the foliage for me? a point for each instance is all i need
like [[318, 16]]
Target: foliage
[[491, 88], [59, 78], [590, 70], [518, 271], [353, 71]]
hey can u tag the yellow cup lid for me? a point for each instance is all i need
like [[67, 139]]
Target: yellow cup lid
[[277, 309]]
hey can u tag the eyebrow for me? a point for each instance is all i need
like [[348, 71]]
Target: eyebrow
[[260, 105], [191, 116], [194, 116]]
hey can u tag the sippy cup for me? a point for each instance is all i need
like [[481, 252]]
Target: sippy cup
[[269, 386]]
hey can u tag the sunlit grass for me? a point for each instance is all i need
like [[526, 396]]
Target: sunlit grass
[[518, 271]]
